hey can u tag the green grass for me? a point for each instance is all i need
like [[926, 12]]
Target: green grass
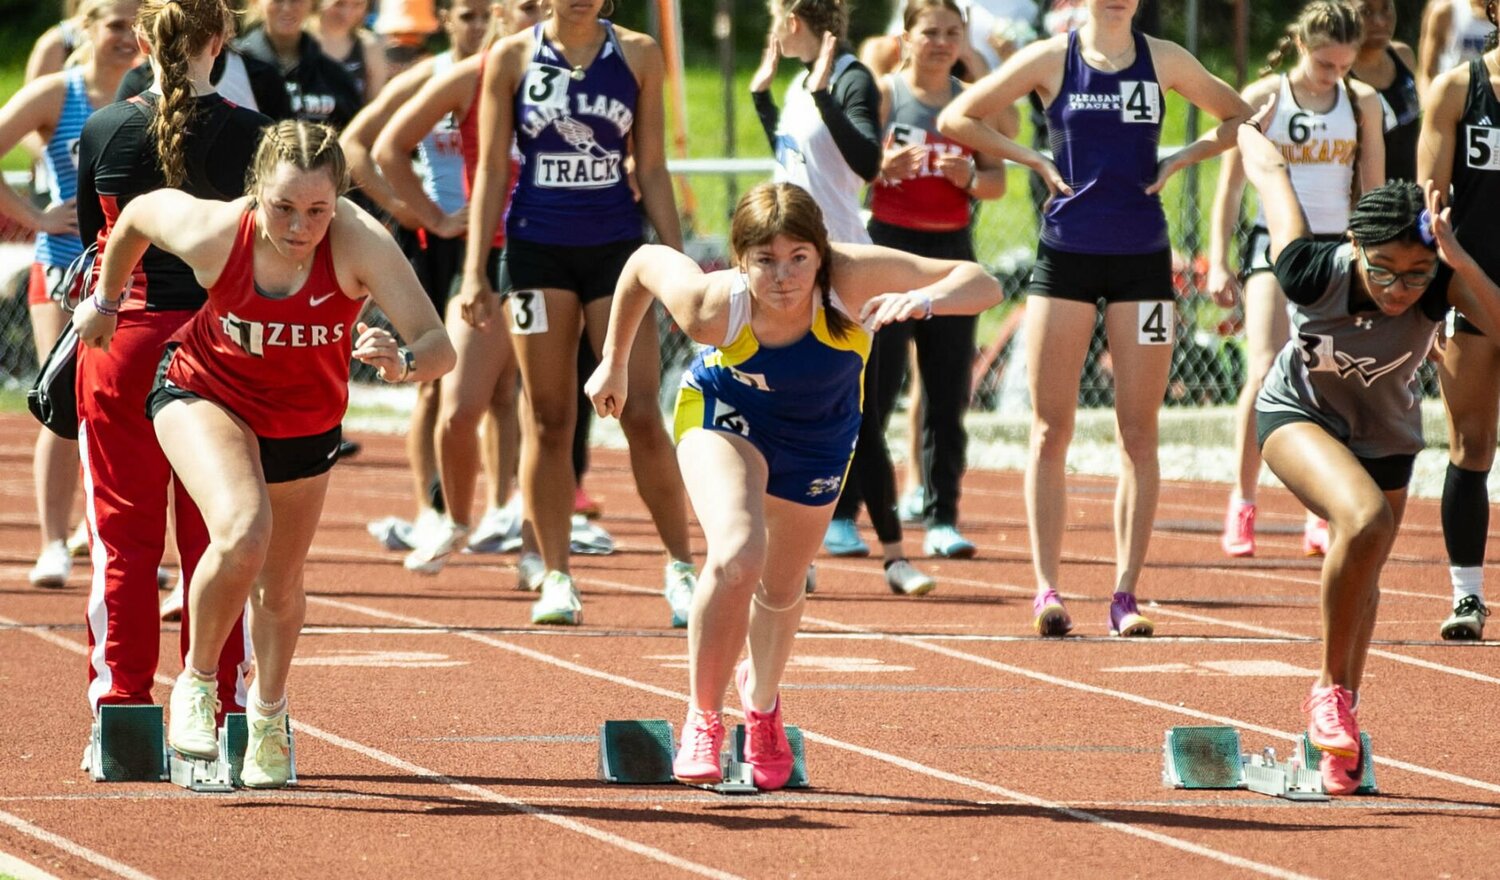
[[11, 80]]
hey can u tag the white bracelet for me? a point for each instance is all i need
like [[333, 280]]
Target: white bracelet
[[926, 305]]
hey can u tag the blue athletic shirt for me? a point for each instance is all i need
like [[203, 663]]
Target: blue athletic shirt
[[571, 133], [799, 404], [442, 154], [61, 159], [1105, 128]]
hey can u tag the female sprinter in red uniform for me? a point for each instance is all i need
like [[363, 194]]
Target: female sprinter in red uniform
[[250, 393], [179, 133]]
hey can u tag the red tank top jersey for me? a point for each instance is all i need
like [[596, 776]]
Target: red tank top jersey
[[928, 201], [468, 133], [281, 364]]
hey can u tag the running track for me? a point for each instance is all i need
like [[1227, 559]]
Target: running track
[[438, 733]]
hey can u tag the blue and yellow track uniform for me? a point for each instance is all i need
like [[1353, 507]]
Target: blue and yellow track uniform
[[798, 404]]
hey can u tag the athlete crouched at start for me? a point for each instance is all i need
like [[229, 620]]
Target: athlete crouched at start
[[250, 393]]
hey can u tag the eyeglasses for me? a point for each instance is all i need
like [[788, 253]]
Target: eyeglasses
[[1382, 277]]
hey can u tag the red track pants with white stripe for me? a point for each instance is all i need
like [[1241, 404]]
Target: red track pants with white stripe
[[126, 481]]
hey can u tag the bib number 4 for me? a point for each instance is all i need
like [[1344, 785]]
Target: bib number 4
[[1141, 101], [1154, 325]]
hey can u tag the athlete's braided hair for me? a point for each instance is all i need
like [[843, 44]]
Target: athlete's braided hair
[[178, 30], [1390, 212], [820, 16], [772, 209], [308, 146]]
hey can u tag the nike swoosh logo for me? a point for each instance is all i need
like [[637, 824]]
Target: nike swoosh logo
[[319, 300]]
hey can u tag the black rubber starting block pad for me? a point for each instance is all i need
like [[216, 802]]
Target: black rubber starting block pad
[[798, 779], [636, 751], [1311, 755], [128, 744], [1203, 757]]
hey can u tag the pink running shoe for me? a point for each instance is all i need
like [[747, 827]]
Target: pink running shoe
[[697, 761], [584, 504], [1331, 725], [1239, 529], [766, 749], [1049, 616], [1126, 620], [1315, 537]]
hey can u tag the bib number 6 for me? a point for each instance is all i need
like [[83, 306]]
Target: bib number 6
[[528, 312]]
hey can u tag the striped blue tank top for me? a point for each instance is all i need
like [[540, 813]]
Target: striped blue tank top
[[1105, 128], [61, 159], [571, 131], [441, 154]]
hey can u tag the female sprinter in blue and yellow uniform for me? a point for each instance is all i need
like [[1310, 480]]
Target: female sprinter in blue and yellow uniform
[[766, 423]]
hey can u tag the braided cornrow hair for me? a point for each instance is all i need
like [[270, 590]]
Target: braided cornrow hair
[[178, 30], [1390, 212], [307, 146], [821, 16]]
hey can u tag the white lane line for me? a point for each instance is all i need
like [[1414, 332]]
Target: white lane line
[[885, 757], [11, 866], [1161, 611], [76, 850], [520, 806]]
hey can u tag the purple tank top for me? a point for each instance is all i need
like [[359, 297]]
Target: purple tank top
[[571, 130], [1105, 128]]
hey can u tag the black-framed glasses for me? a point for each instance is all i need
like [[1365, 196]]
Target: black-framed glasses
[[1382, 277]]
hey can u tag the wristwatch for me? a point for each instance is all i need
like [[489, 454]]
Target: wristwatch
[[408, 363]]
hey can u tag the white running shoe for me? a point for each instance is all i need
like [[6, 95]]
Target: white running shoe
[[78, 542], [588, 539], [191, 729], [437, 546], [171, 607], [559, 603], [1466, 623], [499, 531], [530, 569], [393, 532], [904, 579], [912, 505], [268, 750], [52, 567], [681, 580]]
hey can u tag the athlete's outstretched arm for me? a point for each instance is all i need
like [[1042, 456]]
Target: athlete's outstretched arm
[[649, 142], [1035, 68], [1229, 195], [477, 303], [1179, 71], [1267, 170], [883, 285], [451, 92], [653, 272], [200, 232], [1440, 116]]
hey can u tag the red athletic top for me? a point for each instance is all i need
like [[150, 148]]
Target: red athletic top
[[928, 201], [281, 364], [468, 134]]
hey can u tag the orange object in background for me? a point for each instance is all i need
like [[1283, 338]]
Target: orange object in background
[[406, 17]]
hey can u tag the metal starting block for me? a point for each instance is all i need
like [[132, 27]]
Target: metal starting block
[[223, 773], [1290, 780], [640, 752], [1311, 754], [128, 744]]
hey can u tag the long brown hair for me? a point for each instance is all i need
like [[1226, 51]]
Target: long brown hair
[[821, 16], [1324, 22], [178, 30], [772, 209], [307, 146]]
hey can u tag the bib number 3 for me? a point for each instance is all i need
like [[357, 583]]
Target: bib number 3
[[528, 312], [1154, 328], [546, 86]]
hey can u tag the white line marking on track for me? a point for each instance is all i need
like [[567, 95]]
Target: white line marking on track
[[884, 757], [76, 850], [305, 729], [11, 866]]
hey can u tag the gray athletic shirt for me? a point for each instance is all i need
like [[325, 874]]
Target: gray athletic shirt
[[1353, 372]]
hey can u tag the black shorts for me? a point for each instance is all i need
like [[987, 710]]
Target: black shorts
[[590, 271], [1113, 278], [1390, 472], [282, 459], [1256, 256], [956, 244], [438, 263]]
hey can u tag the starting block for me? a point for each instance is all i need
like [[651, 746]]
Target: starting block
[[640, 752], [222, 774], [1210, 758], [128, 744], [1310, 755]]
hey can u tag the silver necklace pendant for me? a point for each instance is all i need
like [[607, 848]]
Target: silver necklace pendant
[[577, 73]]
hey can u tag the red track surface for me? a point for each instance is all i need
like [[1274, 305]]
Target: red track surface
[[439, 734]]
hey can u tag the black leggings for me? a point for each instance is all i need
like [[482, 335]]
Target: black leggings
[[945, 356]]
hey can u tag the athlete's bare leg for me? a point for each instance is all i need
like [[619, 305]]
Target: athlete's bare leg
[[54, 463], [1266, 329]]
